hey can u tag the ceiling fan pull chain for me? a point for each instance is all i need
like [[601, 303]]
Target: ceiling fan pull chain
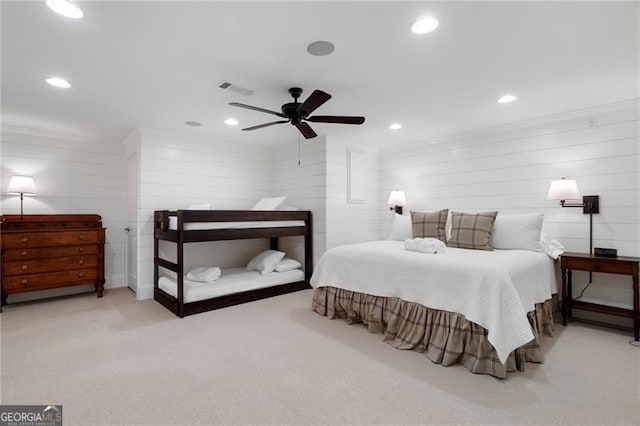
[[298, 149]]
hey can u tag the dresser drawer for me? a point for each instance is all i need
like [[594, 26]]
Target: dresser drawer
[[51, 264], [43, 253], [597, 265], [21, 283], [49, 239]]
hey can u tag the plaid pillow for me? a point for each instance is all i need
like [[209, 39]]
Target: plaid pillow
[[472, 231], [429, 224]]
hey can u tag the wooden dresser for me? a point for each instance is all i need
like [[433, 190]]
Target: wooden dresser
[[41, 252]]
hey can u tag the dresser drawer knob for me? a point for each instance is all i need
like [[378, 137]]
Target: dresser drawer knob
[[82, 237], [24, 253], [81, 262], [24, 281], [24, 239], [24, 267], [81, 274], [81, 249]]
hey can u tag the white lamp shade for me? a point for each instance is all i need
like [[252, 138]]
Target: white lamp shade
[[564, 189], [397, 198], [21, 185]]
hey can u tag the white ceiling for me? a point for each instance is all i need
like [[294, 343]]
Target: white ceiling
[[159, 64]]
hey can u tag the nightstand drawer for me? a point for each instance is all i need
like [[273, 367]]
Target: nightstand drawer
[[43, 253], [21, 283], [48, 239], [51, 264], [598, 265]]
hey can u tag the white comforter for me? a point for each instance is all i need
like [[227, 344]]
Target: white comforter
[[494, 289]]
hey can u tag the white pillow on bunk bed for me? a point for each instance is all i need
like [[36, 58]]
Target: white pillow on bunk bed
[[271, 203], [287, 264], [205, 206], [266, 261]]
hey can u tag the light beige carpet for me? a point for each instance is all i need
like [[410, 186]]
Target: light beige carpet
[[119, 361]]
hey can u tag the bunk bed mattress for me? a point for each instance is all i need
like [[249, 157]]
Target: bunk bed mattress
[[232, 280], [494, 289], [199, 226]]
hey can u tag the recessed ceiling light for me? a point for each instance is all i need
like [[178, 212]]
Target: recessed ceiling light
[[320, 48], [424, 25], [231, 122], [506, 99], [65, 8], [395, 126], [58, 82], [193, 123]]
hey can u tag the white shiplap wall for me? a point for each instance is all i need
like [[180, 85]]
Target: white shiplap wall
[[177, 171], [349, 222], [319, 184], [509, 169], [73, 175], [304, 185]]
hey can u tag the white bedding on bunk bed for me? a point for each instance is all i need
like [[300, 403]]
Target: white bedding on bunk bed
[[494, 289], [232, 280], [197, 226]]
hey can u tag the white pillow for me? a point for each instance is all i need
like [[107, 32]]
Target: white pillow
[[551, 246], [288, 208], [266, 261], [205, 206], [287, 264], [268, 203], [518, 231], [400, 228]]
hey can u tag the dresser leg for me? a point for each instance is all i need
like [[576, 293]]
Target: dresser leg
[[3, 300], [99, 287]]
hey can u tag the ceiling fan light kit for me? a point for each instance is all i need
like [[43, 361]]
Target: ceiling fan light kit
[[298, 113]]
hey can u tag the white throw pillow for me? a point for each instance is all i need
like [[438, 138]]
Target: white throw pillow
[[518, 231], [268, 203], [266, 261], [288, 208], [287, 264], [400, 228], [205, 206], [552, 247]]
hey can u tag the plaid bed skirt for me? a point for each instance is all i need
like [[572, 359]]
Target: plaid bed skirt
[[444, 337]]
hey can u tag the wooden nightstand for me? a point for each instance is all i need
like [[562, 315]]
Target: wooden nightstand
[[608, 265]]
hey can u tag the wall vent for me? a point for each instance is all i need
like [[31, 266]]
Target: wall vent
[[236, 89]]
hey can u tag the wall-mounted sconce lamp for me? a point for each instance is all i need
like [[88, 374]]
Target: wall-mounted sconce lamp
[[21, 185], [567, 189], [396, 201]]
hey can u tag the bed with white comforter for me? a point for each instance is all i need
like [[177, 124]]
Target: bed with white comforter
[[494, 289]]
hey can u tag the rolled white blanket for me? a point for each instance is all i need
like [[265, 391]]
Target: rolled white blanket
[[425, 245], [204, 274]]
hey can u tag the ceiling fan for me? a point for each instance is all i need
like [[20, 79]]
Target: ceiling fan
[[298, 113]]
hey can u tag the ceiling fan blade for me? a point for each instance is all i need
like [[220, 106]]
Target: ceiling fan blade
[[340, 119], [268, 111], [306, 130], [313, 102], [260, 126]]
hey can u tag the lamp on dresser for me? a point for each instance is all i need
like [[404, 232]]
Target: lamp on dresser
[[21, 185], [396, 201], [566, 190]]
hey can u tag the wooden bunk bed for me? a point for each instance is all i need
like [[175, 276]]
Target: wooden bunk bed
[[177, 227]]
